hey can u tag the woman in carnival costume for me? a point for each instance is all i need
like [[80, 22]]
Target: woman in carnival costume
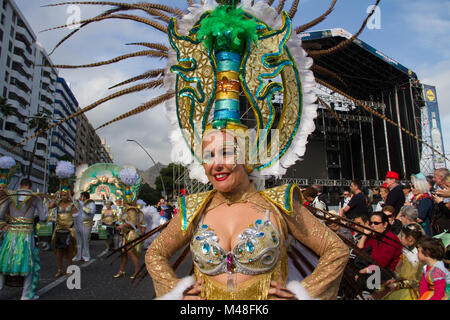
[[18, 252], [109, 219], [64, 239], [131, 223], [237, 234]]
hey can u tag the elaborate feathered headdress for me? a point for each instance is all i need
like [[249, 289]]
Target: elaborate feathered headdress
[[8, 167], [130, 182], [65, 171]]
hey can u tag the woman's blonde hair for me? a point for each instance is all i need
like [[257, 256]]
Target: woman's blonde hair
[[421, 185]]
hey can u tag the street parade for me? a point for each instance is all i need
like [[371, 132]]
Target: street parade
[[304, 165]]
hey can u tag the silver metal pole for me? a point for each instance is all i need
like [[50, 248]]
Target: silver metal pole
[[374, 147], [156, 165], [415, 121], [385, 133], [400, 132], [362, 148]]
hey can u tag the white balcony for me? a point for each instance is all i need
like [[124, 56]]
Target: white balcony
[[10, 135], [20, 93], [27, 81], [41, 153], [22, 126], [22, 45], [21, 59], [42, 140], [25, 33]]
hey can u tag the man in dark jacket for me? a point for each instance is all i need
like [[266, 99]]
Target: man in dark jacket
[[396, 197]]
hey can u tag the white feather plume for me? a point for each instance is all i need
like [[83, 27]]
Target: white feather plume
[[64, 169], [7, 162], [128, 176]]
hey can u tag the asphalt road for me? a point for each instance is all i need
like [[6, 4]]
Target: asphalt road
[[97, 281]]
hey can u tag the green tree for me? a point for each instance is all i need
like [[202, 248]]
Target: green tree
[[167, 177], [149, 195], [39, 122]]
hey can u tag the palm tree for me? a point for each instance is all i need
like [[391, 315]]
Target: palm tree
[[38, 122], [6, 109]]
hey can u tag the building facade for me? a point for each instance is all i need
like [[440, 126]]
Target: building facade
[[31, 89], [28, 88], [90, 148], [63, 136]]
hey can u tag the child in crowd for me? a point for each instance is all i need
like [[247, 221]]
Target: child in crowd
[[435, 283], [409, 269]]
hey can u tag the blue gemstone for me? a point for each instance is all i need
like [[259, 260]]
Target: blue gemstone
[[268, 258], [250, 247], [204, 226], [205, 248], [260, 234], [198, 238], [259, 221]]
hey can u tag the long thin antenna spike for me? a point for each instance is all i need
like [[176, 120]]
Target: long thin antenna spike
[[317, 20], [323, 70], [345, 43], [147, 75], [157, 46], [106, 13], [141, 108], [294, 8], [142, 6], [270, 2], [334, 115], [150, 53], [281, 6], [104, 17], [133, 89], [379, 115]]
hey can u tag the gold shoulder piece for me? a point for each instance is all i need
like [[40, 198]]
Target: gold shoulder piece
[[13, 196], [191, 205], [283, 196]]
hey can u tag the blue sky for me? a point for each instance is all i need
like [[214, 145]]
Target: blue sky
[[413, 32]]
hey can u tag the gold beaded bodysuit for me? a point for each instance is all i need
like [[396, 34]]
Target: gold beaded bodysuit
[[64, 221], [261, 251]]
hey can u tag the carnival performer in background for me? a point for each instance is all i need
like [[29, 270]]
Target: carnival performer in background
[[8, 167], [132, 223], [19, 253], [64, 240], [152, 220], [108, 219], [83, 222]]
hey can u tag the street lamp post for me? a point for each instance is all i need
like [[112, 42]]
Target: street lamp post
[[156, 165]]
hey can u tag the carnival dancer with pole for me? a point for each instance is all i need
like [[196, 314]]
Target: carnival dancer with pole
[[19, 253], [132, 223], [64, 240], [108, 219], [83, 222]]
